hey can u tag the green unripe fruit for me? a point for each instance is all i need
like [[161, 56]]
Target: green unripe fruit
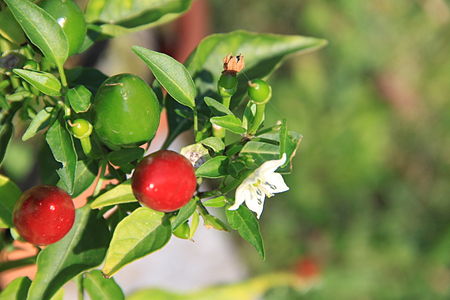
[[126, 111], [71, 19], [81, 128], [259, 91], [227, 85]]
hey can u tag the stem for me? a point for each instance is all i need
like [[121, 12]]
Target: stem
[[17, 263], [80, 285], [99, 184], [257, 120], [86, 145], [226, 101], [62, 75], [195, 124]]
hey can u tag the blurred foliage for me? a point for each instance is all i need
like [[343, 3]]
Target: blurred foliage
[[370, 188]]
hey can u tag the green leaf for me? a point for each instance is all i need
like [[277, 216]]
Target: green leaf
[[141, 233], [262, 151], [211, 221], [171, 74], [100, 288], [230, 123], [126, 155], [9, 28], [214, 143], [59, 295], [42, 30], [47, 83], [185, 213], [6, 129], [85, 174], [10, 194], [83, 248], [262, 52], [79, 98], [214, 168], [121, 193], [38, 123], [217, 108], [245, 222], [220, 201], [177, 124], [17, 289], [117, 17], [61, 144]]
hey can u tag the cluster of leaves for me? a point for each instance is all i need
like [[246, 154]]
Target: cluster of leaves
[[49, 97]]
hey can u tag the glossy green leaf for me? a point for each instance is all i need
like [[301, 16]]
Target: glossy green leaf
[[262, 52], [83, 248], [126, 155], [141, 233], [79, 98], [10, 193], [63, 149], [100, 288], [214, 143], [185, 213], [47, 83], [217, 108], [85, 174], [229, 122], [220, 201], [42, 30], [9, 28], [214, 168], [171, 74], [245, 222], [39, 122], [17, 289], [121, 193], [117, 17]]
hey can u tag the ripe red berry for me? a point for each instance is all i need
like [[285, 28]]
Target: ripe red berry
[[44, 214], [164, 181]]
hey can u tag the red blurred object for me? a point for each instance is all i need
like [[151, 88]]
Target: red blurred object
[[307, 268]]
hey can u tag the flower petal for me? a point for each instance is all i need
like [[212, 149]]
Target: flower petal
[[270, 166], [243, 192], [274, 183], [256, 201]]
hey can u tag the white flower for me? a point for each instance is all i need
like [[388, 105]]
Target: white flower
[[261, 183]]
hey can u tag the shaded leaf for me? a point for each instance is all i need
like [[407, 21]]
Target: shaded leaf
[[245, 222], [39, 122], [217, 108], [63, 149], [89, 77], [171, 74], [126, 155], [17, 289], [185, 213], [100, 288], [83, 248], [85, 174], [214, 168], [9, 28], [121, 193], [141, 233], [10, 193], [220, 201]]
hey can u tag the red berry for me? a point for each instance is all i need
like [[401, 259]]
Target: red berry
[[164, 181], [307, 268], [44, 214]]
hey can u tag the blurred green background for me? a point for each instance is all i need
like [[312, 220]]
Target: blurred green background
[[369, 196]]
